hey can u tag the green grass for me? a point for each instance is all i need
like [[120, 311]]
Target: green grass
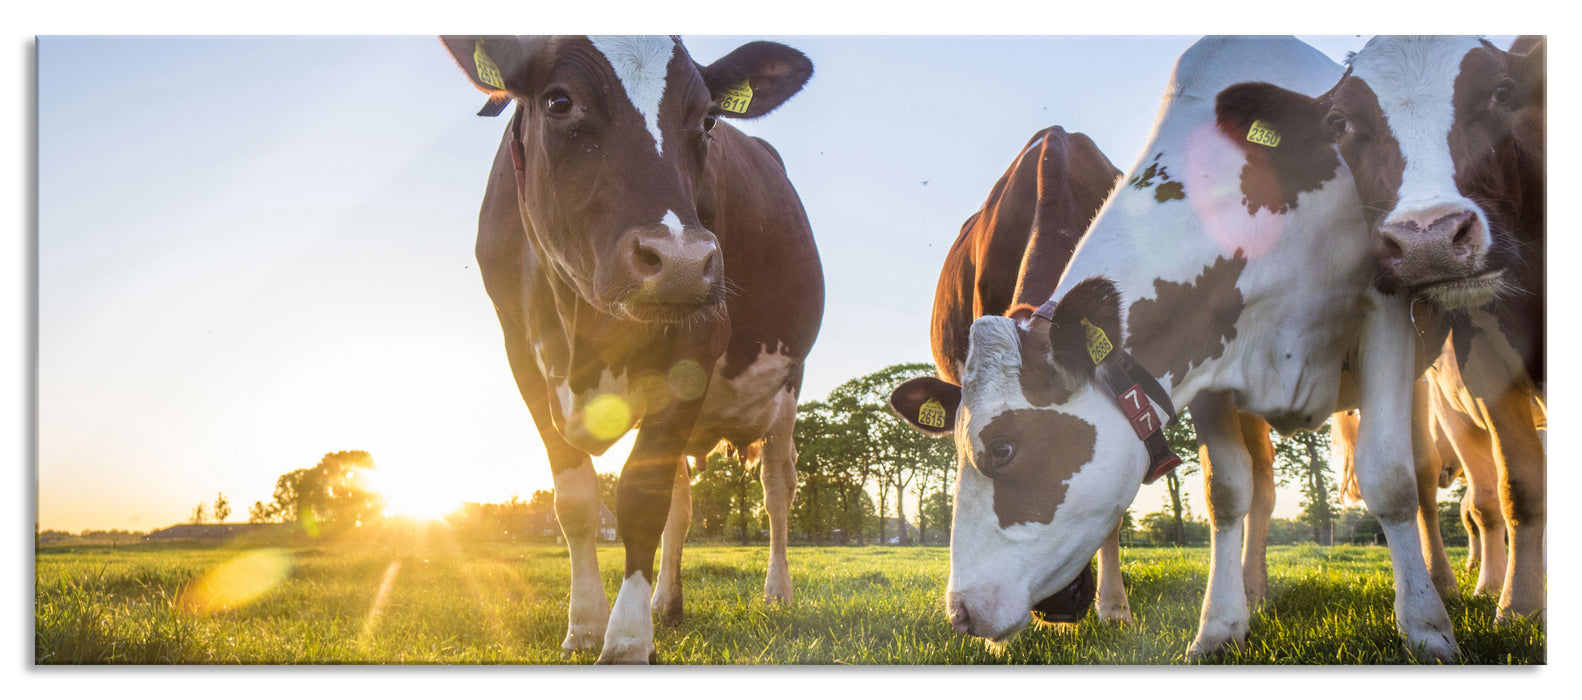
[[451, 603]]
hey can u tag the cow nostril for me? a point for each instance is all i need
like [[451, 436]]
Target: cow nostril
[[648, 261], [1390, 249], [1463, 238], [959, 619]]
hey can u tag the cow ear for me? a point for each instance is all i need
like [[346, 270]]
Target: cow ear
[[1270, 119], [756, 78], [927, 404], [1085, 326], [494, 64], [1528, 58]]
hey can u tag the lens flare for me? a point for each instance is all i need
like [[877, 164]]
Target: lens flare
[[237, 582], [607, 417], [688, 380]]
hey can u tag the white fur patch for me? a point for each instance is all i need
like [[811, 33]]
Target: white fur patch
[[672, 222], [1414, 79], [630, 637], [642, 64]]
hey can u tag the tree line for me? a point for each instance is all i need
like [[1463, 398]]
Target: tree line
[[863, 477]]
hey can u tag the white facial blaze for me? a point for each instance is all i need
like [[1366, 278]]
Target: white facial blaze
[[672, 222], [642, 64], [1414, 79]]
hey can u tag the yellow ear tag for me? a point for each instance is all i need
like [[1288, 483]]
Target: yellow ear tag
[[1263, 134], [1099, 345], [737, 98], [488, 73], [931, 414]]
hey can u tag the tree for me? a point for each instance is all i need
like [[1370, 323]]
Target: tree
[[330, 495], [1303, 457], [200, 513], [222, 508], [1182, 437], [873, 441], [260, 513]]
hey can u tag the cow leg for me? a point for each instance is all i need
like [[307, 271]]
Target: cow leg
[[1254, 565], [667, 593], [1521, 487], [1474, 538], [1486, 528], [1228, 477], [642, 507], [1112, 605], [1427, 466], [1384, 470], [777, 471], [577, 510], [576, 496]]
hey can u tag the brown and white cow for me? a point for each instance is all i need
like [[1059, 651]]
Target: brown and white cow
[[1007, 260], [1445, 138], [1235, 272], [651, 266]]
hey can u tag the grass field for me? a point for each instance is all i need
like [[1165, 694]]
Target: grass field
[[439, 602]]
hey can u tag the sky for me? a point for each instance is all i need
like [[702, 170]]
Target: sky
[[256, 250]]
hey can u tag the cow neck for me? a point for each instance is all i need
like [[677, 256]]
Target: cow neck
[[1131, 385]]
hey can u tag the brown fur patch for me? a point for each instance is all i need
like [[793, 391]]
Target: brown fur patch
[[1041, 383], [1051, 448], [1187, 323]]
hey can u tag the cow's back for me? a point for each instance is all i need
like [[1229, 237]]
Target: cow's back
[[1013, 250]]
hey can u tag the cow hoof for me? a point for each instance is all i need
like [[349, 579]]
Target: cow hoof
[[668, 607], [1117, 615], [627, 655], [1439, 648], [777, 589], [1508, 616], [1217, 637], [582, 640]]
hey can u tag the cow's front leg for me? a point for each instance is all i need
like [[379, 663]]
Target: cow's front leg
[[1113, 605], [1384, 468], [642, 505], [778, 474], [667, 594], [1228, 476], [577, 510]]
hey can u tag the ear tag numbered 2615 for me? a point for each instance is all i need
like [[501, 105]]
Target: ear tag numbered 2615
[[931, 414]]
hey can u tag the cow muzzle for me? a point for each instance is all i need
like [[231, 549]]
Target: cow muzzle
[[986, 613], [1436, 254], [671, 276]]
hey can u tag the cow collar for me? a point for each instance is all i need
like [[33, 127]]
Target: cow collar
[[1131, 386]]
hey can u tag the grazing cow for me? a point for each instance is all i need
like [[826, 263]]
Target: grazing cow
[[1006, 261], [1445, 138], [651, 266], [1232, 270], [1008, 258]]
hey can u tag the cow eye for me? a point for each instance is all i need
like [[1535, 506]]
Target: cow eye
[[1501, 97], [708, 123], [1001, 451], [558, 104], [1337, 124]]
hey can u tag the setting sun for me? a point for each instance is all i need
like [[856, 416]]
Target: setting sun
[[419, 496]]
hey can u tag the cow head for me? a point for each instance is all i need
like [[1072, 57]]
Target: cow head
[[1426, 126], [613, 139], [1049, 463]]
